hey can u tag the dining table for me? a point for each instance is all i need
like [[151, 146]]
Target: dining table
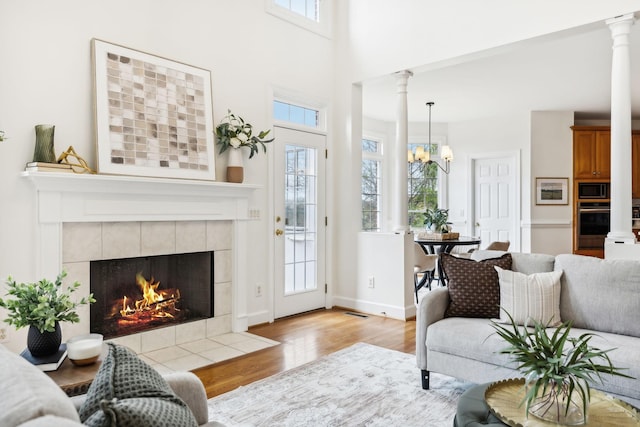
[[437, 247]]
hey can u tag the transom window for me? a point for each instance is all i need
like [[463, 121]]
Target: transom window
[[297, 114], [307, 8], [371, 184], [312, 15]]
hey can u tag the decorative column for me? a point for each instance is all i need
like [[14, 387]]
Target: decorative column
[[621, 163], [400, 197]]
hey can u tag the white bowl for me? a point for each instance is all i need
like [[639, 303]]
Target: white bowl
[[84, 349]]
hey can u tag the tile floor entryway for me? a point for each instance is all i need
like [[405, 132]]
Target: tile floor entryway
[[203, 352]]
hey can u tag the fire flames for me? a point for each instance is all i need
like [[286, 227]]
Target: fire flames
[[154, 303]]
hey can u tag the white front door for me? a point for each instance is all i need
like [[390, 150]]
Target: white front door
[[299, 200], [495, 209]]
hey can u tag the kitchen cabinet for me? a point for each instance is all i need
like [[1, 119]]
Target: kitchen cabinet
[[591, 153], [592, 162]]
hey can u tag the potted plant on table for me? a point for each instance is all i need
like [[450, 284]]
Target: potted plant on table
[[557, 369], [41, 306], [437, 220], [234, 132]]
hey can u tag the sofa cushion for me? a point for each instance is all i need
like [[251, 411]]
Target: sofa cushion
[[601, 295], [473, 285], [475, 339], [130, 391], [522, 262], [529, 298], [471, 338], [28, 393]]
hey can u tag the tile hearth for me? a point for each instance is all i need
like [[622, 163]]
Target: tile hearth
[[196, 354]]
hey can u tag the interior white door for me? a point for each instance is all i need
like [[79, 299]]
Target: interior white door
[[299, 237], [495, 200]]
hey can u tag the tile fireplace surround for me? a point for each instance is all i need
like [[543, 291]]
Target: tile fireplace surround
[[81, 218]]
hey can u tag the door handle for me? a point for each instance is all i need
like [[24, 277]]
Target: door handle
[[279, 232], [477, 224]]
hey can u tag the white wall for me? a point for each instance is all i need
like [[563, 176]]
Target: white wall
[[387, 260], [46, 78], [551, 156]]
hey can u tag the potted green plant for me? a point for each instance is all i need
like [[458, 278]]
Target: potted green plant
[[557, 369], [234, 132], [437, 220], [41, 306]]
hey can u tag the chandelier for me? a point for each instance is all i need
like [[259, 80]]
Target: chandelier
[[423, 154]]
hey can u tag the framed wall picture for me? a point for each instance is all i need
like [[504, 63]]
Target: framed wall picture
[[153, 115], [552, 191]]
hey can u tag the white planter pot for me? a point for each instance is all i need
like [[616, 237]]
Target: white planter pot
[[235, 162]]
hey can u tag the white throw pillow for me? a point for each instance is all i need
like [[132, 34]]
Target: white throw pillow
[[528, 298]]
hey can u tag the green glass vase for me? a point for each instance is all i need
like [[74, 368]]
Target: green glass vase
[[44, 151]]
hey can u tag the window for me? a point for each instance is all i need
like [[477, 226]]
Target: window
[[297, 114], [299, 188], [422, 187], [371, 184], [307, 8], [312, 15]]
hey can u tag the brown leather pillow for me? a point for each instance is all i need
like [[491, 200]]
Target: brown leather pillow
[[474, 287]]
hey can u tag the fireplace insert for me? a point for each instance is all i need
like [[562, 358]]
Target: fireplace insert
[[138, 294]]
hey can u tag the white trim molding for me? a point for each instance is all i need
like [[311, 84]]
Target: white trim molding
[[547, 223]]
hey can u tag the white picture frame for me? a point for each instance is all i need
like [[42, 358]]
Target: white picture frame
[[552, 191], [153, 116]]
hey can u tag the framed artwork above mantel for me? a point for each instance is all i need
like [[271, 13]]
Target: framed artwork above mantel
[[153, 115]]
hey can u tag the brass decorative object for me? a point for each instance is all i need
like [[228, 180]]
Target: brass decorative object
[[505, 401], [79, 165]]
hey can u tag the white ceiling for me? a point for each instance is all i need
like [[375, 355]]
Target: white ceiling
[[569, 72]]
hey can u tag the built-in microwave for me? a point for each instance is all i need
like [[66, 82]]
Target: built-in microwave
[[593, 190]]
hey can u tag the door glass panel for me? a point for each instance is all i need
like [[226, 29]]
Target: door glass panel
[[301, 213]]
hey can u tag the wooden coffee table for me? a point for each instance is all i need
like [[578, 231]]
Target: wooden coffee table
[[75, 380]]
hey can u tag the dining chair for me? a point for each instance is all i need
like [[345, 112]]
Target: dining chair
[[498, 246], [423, 265], [493, 246]]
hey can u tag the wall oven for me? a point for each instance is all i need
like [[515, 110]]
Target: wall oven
[[593, 224]]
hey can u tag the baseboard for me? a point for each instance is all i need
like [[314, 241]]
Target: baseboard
[[367, 307], [378, 309], [258, 317]]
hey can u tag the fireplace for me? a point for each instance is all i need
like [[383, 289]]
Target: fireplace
[[82, 218], [143, 293]]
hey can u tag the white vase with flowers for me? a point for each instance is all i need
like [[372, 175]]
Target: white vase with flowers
[[232, 134]]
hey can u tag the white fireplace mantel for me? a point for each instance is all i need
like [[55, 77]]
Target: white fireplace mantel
[[65, 197]]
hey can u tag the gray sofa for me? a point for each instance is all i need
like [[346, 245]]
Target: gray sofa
[[31, 399], [599, 296]]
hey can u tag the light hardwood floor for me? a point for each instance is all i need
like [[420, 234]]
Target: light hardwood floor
[[305, 338]]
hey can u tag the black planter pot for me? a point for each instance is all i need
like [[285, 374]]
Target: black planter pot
[[44, 343]]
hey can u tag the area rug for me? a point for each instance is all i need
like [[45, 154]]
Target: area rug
[[362, 385]]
